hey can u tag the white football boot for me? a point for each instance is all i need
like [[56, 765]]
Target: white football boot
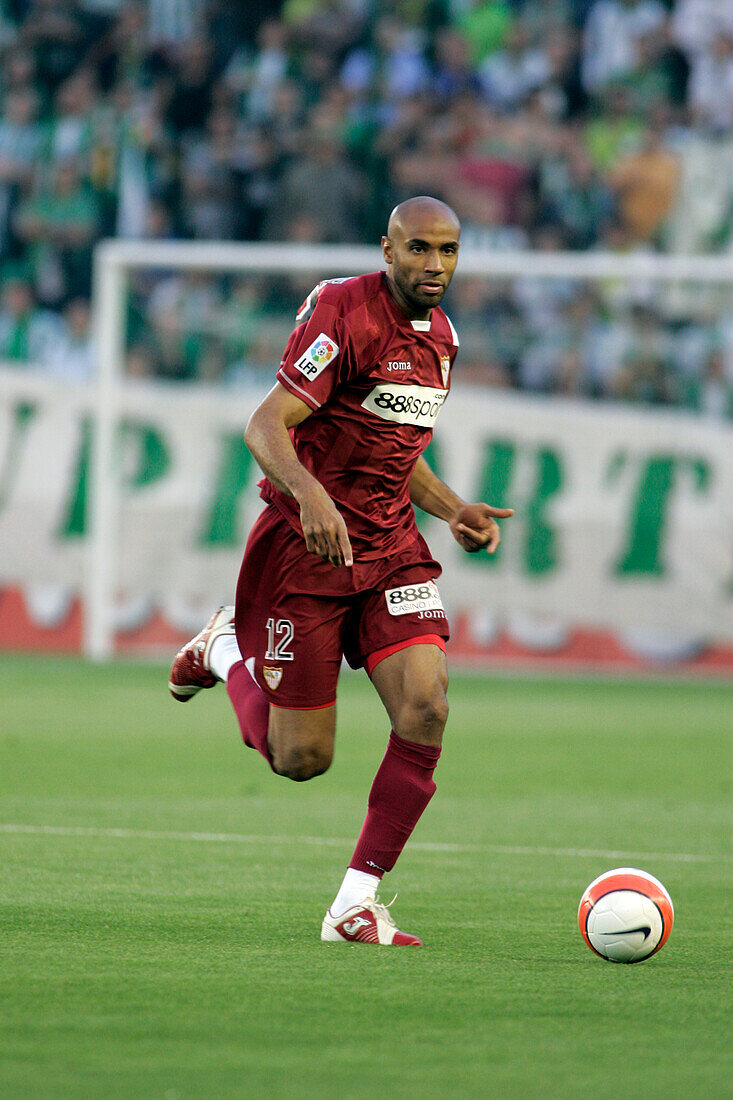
[[369, 922], [190, 671]]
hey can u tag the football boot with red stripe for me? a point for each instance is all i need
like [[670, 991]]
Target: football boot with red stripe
[[190, 671], [369, 922]]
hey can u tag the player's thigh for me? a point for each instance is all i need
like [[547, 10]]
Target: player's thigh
[[401, 640], [301, 742], [413, 683]]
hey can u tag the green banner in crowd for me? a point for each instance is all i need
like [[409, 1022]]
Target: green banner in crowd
[[624, 516]]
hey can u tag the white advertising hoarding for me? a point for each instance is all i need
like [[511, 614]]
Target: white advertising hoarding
[[624, 516]]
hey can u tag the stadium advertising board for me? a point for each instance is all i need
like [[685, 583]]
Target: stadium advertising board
[[624, 516]]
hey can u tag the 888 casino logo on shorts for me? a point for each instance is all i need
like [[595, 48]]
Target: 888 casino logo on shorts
[[321, 352]]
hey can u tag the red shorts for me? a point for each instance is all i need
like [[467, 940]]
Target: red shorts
[[298, 634]]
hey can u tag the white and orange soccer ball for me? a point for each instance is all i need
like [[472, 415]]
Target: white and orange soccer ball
[[625, 915]]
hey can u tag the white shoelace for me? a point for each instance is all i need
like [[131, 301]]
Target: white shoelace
[[381, 909]]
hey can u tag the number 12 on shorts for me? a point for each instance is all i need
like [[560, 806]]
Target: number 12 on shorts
[[279, 636]]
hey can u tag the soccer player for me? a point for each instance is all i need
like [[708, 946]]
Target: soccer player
[[335, 565]]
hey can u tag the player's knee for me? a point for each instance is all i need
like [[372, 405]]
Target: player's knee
[[424, 715], [302, 762]]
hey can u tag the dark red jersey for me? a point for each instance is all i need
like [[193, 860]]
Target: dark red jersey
[[376, 382]]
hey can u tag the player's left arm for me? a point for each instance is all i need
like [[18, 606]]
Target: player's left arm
[[473, 526]]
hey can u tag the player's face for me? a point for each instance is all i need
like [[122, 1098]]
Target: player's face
[[421, 256]]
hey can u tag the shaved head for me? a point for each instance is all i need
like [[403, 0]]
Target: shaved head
[[418, 211], [421, 252]]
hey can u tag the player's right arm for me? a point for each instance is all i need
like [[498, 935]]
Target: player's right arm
[[267, 436]]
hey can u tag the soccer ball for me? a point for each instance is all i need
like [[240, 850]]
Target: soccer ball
[[625, 915]]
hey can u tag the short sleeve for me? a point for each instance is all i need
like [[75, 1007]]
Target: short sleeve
[[316, 355]]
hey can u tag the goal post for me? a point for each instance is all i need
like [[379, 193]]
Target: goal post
[[114, 261]]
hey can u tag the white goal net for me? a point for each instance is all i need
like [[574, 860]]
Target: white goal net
[[592, 393]]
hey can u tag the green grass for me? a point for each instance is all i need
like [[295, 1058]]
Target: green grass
[[139, 966]]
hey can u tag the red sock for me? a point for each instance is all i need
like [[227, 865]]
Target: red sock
[[251, 708], [401, 790]]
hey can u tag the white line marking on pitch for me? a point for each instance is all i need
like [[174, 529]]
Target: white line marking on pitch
[[336, 842]]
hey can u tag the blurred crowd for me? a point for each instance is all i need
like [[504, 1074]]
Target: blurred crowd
[[567, 124]]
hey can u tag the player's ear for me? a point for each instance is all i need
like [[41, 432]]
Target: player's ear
[[387, 249]]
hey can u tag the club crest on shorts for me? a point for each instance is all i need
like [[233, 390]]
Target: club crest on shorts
[[445, 368], [273, 676]]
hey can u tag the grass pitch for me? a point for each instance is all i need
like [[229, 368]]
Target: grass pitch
[[162, 892]]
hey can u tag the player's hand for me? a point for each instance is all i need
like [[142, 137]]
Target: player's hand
[[323, 526], [474, 527]]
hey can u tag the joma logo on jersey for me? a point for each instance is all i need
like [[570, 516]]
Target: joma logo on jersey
[[399, 364], [321, 352]]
